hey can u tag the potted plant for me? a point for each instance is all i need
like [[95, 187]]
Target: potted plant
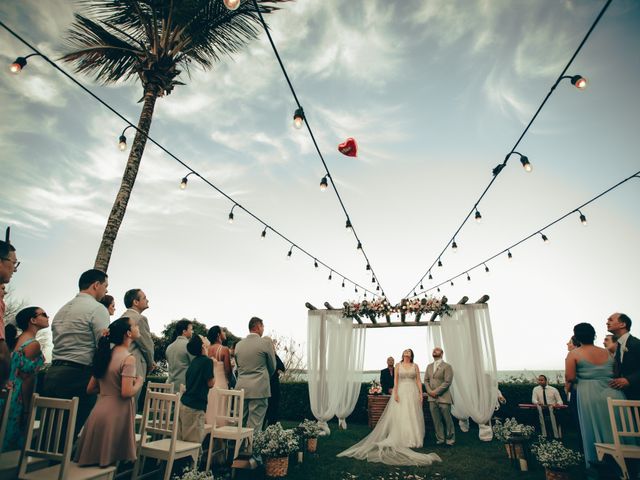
[[514, 435], [310, 431], [275, 444], [193, 474], [555, 458]]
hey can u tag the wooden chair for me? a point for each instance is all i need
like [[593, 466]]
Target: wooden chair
[[625, 423], [227, 423], [57, 423], [156, 387], [161, 413]]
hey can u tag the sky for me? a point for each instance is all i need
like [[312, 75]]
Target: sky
[[436, 94]]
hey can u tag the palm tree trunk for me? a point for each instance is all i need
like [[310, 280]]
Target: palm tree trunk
[[128, 180]]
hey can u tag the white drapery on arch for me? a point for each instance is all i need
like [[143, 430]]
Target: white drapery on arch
[[335, 360], [467, 340]]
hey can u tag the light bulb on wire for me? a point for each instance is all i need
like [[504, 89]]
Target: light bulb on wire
[[579, 82], [468, 277], [509, 256], [122, 143], [348, 225], [430, 276], [478, 216], [359, 247], [545, 239], [486, 269], [315, 263], [264, 233], [290, 252], [583, 219], [298, 118], [324, 183], [330, 274], [439, 262], [185, 179], [454, 246], [231, 214]]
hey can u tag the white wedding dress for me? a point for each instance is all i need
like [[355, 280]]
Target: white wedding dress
[[400, 428]]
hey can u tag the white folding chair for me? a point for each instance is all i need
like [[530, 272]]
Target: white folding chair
[[54, 442], [227, 421], [155, 387], [161, 413], [624, 416]]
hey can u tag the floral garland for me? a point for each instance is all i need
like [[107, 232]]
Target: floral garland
[[382, 307]]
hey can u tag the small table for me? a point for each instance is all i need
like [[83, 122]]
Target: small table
[[557, 430], [377, 403]]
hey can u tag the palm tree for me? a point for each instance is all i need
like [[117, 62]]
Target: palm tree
[[152, 40]]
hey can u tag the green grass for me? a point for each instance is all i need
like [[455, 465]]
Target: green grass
[[468, 459]]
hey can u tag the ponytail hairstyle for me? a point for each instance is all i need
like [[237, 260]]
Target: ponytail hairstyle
[[116, 334], [213, 334]]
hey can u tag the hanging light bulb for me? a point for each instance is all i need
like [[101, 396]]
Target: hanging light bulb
[[315, 263], [454, 246], [478, 216], [359, 247], [183, 183], [579, 82], [230, 214], [355, 288], [468, 277], [438, 289], [343, 283], [452, 283], [348, 226], [377, 288], [373, 279], [290, 252], [330, 274], [421, 287], [298, 118], [17, 66], [525, 163], [122, 143], [231, 4], [430, 276], [264, 233], [365, 294], [415, 294], [486, 269], [509, 256], [439, 262], [324, 183], [545, 239], [368, 267], [583, 219]]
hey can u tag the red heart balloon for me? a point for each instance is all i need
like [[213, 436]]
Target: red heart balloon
[[349, 147]]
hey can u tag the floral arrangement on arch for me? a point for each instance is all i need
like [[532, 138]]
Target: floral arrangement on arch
[[382, 307], [554, 455], [276, 442], [375, 388], [310, 429], [510, 429]]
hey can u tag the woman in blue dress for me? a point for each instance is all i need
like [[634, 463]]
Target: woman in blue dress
[[590, 368], [26, 360]]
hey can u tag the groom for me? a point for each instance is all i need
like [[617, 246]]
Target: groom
[[437, 380], [627, 357]]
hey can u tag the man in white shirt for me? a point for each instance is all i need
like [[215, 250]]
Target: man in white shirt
[[545, 394]]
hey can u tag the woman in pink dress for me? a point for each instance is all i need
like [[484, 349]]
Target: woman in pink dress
[[108, 435]]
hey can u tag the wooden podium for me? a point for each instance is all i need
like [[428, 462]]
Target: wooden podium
[[377, 403]]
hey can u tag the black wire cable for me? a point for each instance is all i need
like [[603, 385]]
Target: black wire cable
[[500, 167], [536, 233], [315, 144], [181, 162]]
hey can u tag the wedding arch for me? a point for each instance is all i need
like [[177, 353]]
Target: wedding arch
[[336, 347]]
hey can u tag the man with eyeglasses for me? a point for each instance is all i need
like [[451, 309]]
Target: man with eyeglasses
[[8, 266]]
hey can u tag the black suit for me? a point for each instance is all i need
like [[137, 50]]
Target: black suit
[[386, 380], [630, 367]]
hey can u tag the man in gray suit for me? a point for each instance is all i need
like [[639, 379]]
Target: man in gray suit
[[142, 348], [256, 360], [437, 379], [178, 358]]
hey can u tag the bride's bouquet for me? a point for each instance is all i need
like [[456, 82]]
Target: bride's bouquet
[[375, 388]]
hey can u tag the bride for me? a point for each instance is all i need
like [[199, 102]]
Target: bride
[[401, 426]]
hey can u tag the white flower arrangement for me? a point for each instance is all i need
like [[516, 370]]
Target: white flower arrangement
[[382, 307], [555, 455], [375, 388], [193, 474], [275, 442], [511, 429], [310, 429]]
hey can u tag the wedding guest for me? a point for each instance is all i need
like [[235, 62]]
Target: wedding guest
[[234, 366], [109, 303], [178, 358], [273, 407], [136, 302], [437, 380], [386, 377], [8, 266], [610, 343], [256, 363], [219, 354], [570, 390], [193, 402], [77, 329], [591, 368], [627, 357], [108, 436], [26, 360], [545, 394]]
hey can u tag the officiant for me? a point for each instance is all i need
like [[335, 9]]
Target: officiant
[[386, 377]]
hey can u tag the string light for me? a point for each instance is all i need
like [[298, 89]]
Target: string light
[[232, 4], [430, 276], [298, 118], [315, 263], [185, 179], [438, 289], [368, 267], [486, 269], [122, 140], [373, 279], [579, 81], [264, 233], [509, 256], [290, 252], [478, 216], [231, 213], [468, 277], [19, 63], [330, 275], [342, 282], [359, 247], [583, 219], [421, 287], [324, 183], [377, 288], [545, 239], [452, 283], [348, 226], [525, 163], [439, 262], [454, 246]]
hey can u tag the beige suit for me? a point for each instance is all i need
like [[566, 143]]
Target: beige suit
[[256, 361], [438, 383], [142, 348]]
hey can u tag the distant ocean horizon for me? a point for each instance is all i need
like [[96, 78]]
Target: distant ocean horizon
[[554, 376]]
